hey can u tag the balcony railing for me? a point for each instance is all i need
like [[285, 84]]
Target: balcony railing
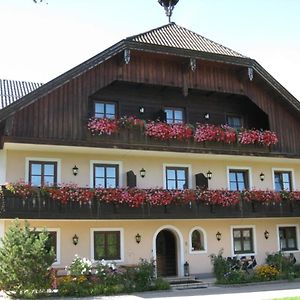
[[41, 206], [157, 135]]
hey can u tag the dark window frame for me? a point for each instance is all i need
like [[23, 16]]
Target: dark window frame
[[201, 241], [54, 239], [105, 113], [174, 109], [228, 116], [285, 232], [185, 169], [241, 239], [246, 178], [106, 244], [116, 166], [281, 182], [42, 163]]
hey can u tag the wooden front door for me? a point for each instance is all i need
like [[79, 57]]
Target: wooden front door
[[166, 254]]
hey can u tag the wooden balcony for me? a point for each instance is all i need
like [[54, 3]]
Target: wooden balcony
[[47, 208], [136, 139]]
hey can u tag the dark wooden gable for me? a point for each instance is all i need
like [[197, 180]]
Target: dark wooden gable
[[60, 117]]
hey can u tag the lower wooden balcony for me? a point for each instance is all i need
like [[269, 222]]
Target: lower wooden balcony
[[47, 208]]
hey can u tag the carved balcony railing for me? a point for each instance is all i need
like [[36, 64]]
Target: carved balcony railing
[[41, 206], [181, 137]]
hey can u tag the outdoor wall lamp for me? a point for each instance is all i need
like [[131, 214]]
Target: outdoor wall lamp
[[209, 175], [75, 239], [142, 172], [218, 236], [75, 170], [266, 234], [262, 176], [142, 109], [138, 238]]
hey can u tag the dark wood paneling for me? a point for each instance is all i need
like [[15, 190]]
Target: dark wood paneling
[[62, 113]]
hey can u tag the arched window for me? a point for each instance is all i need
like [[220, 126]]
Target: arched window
[[197, 240]]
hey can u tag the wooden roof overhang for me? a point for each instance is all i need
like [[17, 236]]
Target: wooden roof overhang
[[119, 47]]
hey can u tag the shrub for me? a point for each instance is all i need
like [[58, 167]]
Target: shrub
[[144, 275], [80, 266], [220, 265], [282, 263], [266, 273], [236, 276], [25, 260]]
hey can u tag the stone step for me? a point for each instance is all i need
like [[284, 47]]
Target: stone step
[[186, 283]]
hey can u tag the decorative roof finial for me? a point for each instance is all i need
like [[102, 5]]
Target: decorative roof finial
[[168, 5]]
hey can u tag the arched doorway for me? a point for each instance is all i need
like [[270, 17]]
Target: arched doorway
[[166, 253]]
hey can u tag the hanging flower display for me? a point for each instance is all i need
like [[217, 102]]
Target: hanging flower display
[[164, 131], [220, 197], [213, 133], [71, 193], [21, 189], [102, 126], [265, 197], [266, 138]]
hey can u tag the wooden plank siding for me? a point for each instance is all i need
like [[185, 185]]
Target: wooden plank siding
[[62, 113]]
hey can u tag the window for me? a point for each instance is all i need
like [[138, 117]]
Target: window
[[174, 115], [105, 110], [197, 240], [238, 180], [243, 240], [52, 242], [106, 175], [288, 238], [235, 122], [107, 244], [283, 180], [42, 173], [176, 178]]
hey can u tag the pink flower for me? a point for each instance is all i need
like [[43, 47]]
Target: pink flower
[[102, 126]]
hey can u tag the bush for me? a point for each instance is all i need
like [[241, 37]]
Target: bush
[[144, 275], [25, 260], [220, 265], [266, 273], [282, 263], [107, 279]]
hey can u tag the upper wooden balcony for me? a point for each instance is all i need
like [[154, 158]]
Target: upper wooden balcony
[[138, 138]]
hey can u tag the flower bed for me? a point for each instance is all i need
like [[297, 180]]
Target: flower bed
[[184, 132], [135, 197]]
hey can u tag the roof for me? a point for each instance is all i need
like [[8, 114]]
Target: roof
[[12, 90], [175, 36], [169, 39]]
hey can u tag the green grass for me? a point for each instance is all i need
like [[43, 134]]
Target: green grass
[[288, 298]]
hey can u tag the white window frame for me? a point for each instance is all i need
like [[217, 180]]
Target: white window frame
[[122, 247], [232, 241], [286, 170], [58, 241], [106, 162], [43, 159], [191, 251], [297, 237], [242, 169], [170, 165]]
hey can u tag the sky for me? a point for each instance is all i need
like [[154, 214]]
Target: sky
[[41, 41]]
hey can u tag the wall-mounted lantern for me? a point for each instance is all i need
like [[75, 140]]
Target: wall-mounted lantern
[[262, 176], [209, 175], [142, 172], [75, 239], [266, 234], [218, 236], [138, 238], [75, 170]]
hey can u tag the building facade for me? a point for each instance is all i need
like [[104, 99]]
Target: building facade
[[187, 195]]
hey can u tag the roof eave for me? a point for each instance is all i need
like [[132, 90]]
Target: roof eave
[[61, 80]]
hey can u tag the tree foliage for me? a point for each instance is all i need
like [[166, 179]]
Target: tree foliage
[[25, 260]]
